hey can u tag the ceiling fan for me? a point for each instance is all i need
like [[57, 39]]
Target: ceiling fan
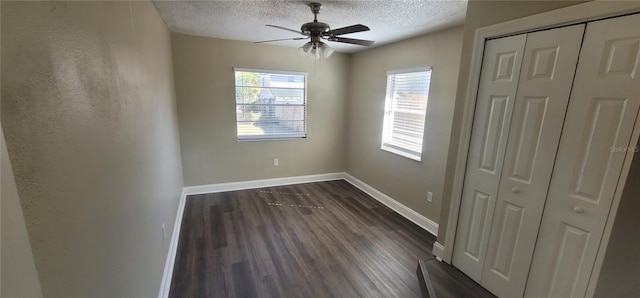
[[318, 31]]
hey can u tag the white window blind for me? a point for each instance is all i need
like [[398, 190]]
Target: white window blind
[[270, 104], [405, 111]]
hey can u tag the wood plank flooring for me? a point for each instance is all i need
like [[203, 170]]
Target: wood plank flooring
[[326, 239]]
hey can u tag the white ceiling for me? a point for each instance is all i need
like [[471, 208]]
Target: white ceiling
[[245, 20]]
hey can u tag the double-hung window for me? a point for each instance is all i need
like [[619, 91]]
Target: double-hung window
[[270, 104], [405, 111]]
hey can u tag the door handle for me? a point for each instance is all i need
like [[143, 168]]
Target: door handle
[[578, 209], [515, 189]]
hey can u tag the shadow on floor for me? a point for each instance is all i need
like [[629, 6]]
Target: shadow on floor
[[438, 279]]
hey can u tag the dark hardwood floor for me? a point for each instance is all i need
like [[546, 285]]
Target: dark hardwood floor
[[326, 239]]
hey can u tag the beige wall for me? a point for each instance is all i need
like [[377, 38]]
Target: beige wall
[[88, 112], [18, 274], [407, 181], [621, 269], [480, 14], [206, 110]]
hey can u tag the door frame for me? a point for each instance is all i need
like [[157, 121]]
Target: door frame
[[574, 14]]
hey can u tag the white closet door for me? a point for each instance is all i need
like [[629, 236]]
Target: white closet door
[[497, 90], [602, 112], [549, 64]]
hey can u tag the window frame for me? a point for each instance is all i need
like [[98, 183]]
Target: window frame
[[388, 119], [273, 137]]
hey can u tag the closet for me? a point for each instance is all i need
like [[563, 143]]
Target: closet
[[554, 114]]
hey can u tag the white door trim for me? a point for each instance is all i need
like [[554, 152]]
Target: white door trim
[[565, 16]]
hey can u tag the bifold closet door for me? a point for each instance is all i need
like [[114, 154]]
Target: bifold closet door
[[514, 141], [548, 67], [601, 115], [496, 93]]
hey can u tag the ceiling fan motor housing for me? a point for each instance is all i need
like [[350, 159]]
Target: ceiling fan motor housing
[[315, 28]]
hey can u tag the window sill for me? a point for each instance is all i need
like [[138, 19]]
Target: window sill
[[272, 138], [402, 153]]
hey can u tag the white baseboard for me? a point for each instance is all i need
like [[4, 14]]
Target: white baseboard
[[231, 186], [165, 286], [423, 222], [438, 251]]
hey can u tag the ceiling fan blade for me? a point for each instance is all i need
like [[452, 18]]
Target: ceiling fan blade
[[284, 28], [296, 38], [348, 29], [360, 42]]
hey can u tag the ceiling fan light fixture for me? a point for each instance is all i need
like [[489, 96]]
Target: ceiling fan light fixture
[[314, 53], [307, 47], [315, 50], [307, 50], [325, 49]]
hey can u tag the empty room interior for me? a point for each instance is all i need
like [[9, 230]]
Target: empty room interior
[[435, 148]]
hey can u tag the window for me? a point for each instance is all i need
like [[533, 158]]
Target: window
[[270, 104], [405, 111]]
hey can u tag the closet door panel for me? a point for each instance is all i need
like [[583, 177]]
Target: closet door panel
[[548, 67], [496, 94], [603, 109]]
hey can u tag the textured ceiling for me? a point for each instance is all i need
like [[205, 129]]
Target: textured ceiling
[[390, 20]]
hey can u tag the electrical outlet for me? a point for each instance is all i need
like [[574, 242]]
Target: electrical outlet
[[276, 162], [429, 197], [164, 231]]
